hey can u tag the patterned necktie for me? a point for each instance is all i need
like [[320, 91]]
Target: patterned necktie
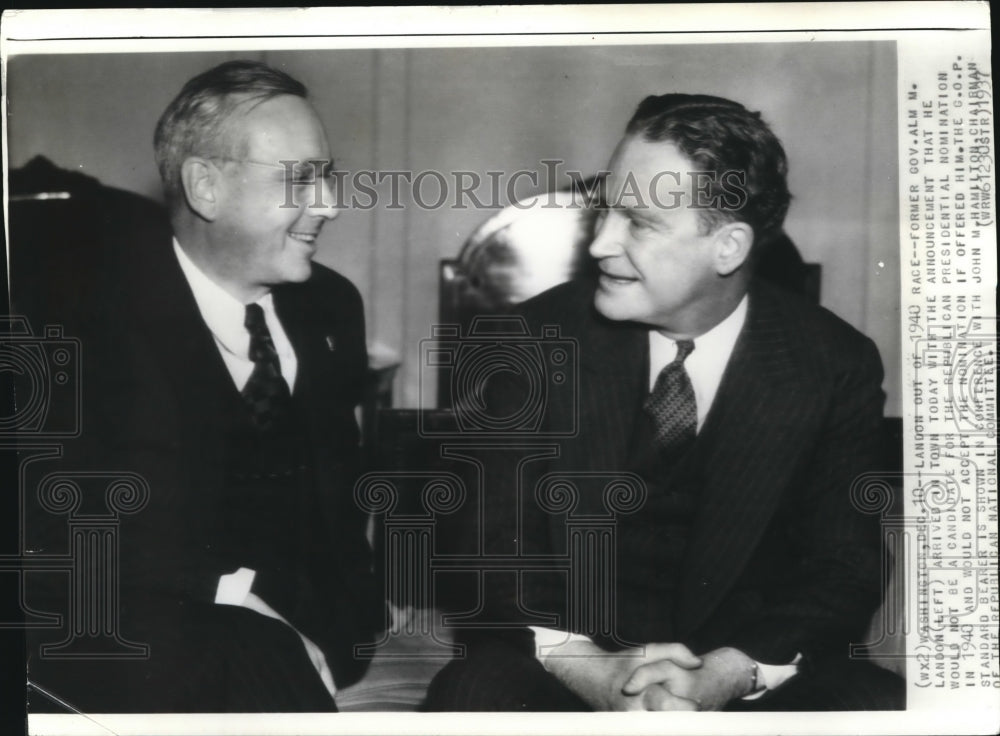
[[671, 403], [266, 393]]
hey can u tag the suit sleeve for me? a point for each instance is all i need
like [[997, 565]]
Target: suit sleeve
[[826, 600], [512, 522]]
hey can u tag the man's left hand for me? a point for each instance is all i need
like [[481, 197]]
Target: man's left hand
[[725, 674]]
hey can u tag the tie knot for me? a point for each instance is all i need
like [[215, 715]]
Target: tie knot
[[254, 320], [684, 349]]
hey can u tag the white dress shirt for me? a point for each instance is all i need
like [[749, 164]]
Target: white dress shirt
[[706, 363], [705, 366], [224, 316]]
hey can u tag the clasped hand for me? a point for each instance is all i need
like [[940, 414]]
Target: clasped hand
[[671, 675], [663, 676]]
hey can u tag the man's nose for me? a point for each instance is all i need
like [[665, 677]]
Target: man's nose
[[608, 241], [326, 205]]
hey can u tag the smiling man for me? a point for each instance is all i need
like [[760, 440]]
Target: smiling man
[[224, 367], [747, 573]]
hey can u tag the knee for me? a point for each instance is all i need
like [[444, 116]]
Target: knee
[[497, 677], [481, 680]]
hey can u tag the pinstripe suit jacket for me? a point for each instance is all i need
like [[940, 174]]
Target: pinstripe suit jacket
[[779, 561]]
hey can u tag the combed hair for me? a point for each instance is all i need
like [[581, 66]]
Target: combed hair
[[719, 136], [194, 123]]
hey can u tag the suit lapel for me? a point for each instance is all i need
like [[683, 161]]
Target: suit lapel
[[316, 340], [615, 359], [181, 344], [290, 315], [751, 440]]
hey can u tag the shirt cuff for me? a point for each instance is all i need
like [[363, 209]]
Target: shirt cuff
[[234, 588], [548, 639], [773, 676]]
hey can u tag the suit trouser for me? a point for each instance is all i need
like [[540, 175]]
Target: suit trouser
[[203, 658], [495, 676]]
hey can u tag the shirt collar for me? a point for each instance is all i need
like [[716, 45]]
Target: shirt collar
[[717, 344], [221, 311], [711, 350]]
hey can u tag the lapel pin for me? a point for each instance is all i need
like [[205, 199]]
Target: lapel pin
[[331, 343]]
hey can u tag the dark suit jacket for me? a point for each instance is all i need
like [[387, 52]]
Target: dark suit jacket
[[778, 561], [158, 400]]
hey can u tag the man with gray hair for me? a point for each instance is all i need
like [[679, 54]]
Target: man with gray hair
[[224, 367]]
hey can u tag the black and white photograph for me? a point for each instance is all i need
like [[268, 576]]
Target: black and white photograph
[[378, 372]]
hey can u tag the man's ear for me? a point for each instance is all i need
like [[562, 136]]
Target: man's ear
[[733, 242], [201, 180]]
